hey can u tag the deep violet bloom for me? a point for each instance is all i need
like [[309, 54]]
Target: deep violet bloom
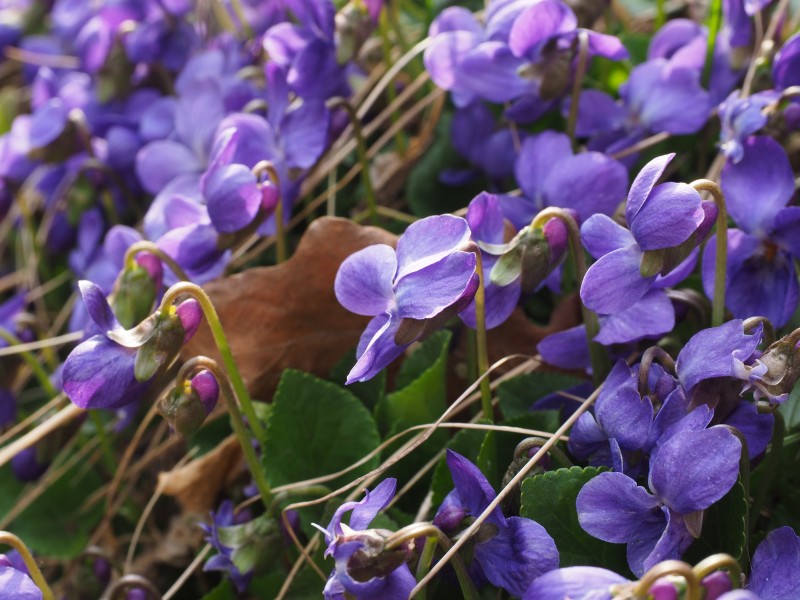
[[427, 275], [684, 478], [550, 174], [761, 278], [786, 67], [513, 551], [737, 20], [591, 583], [775, 573], [223, 561], [510, 56], [662, 218], [15, 584], [355, 542], [740, 118], [656, 98], [112, 368]]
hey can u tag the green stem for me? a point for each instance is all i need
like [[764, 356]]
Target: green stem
[[107, 450], [597, 353], [577, 84], [429, 530], [33, 363], [237, 422], [151, 248], [425, 560], [482, 347], [218, 333], [769, 468], [361, 145], [661, 14], [9, 539], [720, 269], [714, 24]]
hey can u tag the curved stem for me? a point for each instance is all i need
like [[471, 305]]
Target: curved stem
[[267, 167], [597, 353], [720, 561], [429, 530], [199, 363], [647, 360], [670, 567], [720, 269], [769, 329], [221, 341], [150, 247], [32, 362], [361, 145], [577, 84], [556, 453], [124, 583], [482, 349], [17, 544]]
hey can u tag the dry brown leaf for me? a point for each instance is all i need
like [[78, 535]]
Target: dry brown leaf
[[287, 316], [196, 485]]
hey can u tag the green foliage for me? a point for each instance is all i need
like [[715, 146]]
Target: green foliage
[[371, 392], [549, 499], [316, 428], [518, 394], [54, 525], [724, 527]]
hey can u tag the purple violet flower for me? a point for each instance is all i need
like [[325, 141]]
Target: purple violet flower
[[430, 275], [15, 584], [353, 542], [761, 277], [684, 478], [510, 551], [786, 67], [222, 561], [575, 583], [550, 174], [740, 118], [775, 573]]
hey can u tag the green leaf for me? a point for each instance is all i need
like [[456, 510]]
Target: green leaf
[[518, 394], [724, 527], [421, 396], [316, 428], [53, 525], [791, 409], [488, 461], [371, 392], [549, 499], [224, 591]]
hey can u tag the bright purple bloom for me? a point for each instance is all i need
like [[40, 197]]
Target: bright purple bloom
[[775, 573], [427, 275], [15, 584], [101, 372], [761, 278], [786, 67], [656, 98], [684, 478], [740, 118], [351, 542], [512, 551], [222, 561], [551, 175], [575, 583], [661, 218], [737, 20]]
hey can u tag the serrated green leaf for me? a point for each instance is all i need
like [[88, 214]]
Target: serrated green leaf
[[421, 395], [53, 525], [724, 527], [316, 428], [791, 409], [518, 394], [549, 499]]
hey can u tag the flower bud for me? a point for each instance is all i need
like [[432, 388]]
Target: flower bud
[[781, 369], [186, 408], [716, 584], [372, 559], [172, 329], [134, 299], [27, 465]]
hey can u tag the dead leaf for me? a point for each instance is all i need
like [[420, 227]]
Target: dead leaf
[[196, 485], [287, 315]]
